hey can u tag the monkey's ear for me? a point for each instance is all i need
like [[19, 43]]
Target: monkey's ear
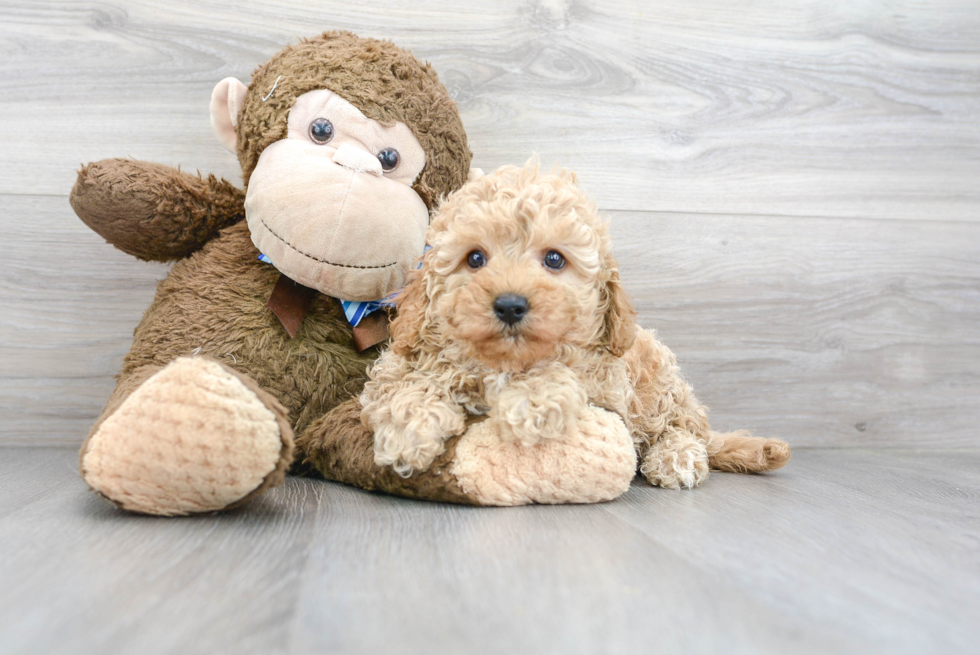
[[226, 101]]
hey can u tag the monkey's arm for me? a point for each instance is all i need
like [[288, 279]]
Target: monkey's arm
[[339, 447], [151, 211], [481, 467]]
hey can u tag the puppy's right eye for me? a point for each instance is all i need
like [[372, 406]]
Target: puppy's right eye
[[476, 259]]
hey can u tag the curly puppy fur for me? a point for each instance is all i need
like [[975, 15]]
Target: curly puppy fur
[[578, 343]]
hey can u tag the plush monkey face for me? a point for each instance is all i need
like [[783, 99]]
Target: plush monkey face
[[345, 144], [332, 204]]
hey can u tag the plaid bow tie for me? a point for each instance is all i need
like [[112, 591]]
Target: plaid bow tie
[[355, 310]]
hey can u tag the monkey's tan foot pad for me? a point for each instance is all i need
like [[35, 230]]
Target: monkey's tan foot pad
[[594, 464], [195, 437]]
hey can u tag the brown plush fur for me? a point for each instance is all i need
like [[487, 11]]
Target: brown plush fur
[[213, 302], [152, 211], [386, 83], [578, 343]]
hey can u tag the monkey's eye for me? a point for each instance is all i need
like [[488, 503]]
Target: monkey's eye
[[388, 158], [321, 131], [554, 260], [476, 259]]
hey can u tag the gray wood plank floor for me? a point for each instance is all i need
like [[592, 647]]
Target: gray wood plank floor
[[842, 551]]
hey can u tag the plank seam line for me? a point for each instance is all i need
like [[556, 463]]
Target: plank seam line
[[664, 212], [668, 212]]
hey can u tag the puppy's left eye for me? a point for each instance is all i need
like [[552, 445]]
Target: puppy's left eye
[[554, 260], [476, 259]]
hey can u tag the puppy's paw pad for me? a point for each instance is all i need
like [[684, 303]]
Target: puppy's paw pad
[[192, 438], [406, 454], [676, 467], [412, 444]]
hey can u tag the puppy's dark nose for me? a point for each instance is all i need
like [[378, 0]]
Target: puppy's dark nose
[[510, 308]]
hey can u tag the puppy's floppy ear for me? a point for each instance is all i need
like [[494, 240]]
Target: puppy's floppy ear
[[408, 327], [619, 322]]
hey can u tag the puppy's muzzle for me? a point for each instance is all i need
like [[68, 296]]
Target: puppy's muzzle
[[511, 308]]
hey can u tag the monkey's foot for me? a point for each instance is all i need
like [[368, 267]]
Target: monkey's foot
[[195, 437], [595, 462]]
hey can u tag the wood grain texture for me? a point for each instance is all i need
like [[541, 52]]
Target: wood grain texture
[[70, 304], [716, 135], [163, 586], [842, 551], [826, 332], [861, 109]]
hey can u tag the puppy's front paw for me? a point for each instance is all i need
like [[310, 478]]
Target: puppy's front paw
[[411, 443], [676, 463], [517, 419], [538, 407]]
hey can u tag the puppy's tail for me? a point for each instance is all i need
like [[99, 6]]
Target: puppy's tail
[[740, 452]]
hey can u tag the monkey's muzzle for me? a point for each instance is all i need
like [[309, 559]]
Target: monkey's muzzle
[[347, 233]]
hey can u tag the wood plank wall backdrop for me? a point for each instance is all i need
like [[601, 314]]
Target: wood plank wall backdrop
[[794, 188]]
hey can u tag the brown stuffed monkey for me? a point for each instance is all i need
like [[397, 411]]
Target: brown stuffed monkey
[[345, 145]]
